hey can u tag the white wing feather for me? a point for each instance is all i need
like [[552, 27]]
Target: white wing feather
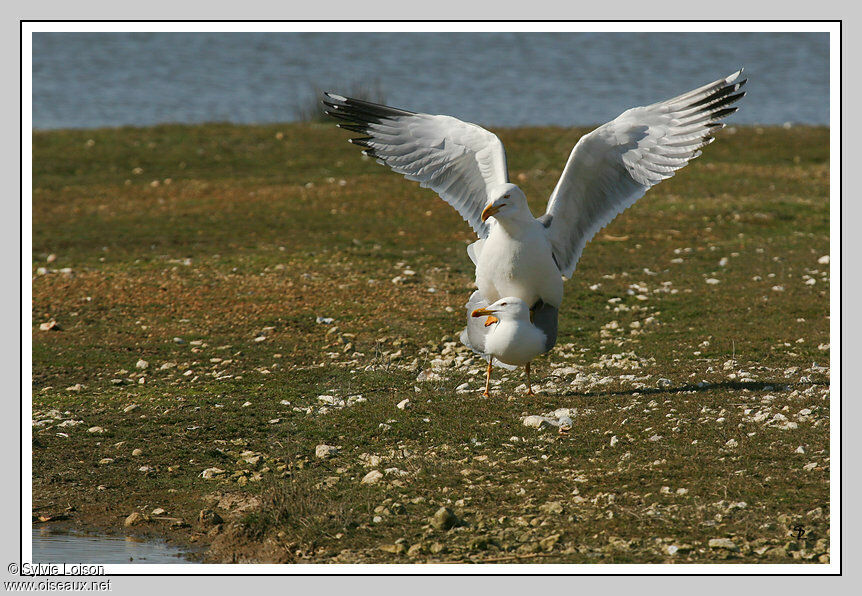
[[613, 166], [460, 161]]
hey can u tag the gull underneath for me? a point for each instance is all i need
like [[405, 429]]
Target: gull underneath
[[508, 333]]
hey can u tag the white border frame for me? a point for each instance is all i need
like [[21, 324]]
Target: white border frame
[[833, 28]]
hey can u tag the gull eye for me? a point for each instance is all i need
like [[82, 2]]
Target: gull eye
[[504, 304], [506, 196]]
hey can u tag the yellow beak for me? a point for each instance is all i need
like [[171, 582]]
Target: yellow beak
[[491, 210], [484, 312]]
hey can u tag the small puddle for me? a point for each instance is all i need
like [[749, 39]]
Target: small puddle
[[57, 546]]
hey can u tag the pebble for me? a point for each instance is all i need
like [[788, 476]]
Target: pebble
[[725, 543], [395, 549], [551, 507], [133, 519], [443, 520], [372, 477], [732, 443], [96, 429], [211, 473], [106, 460], [128, 409], [539, 422], [548, 543], [137, 452], [142, 364], [325, 320], [325, 451], [50, 325], [158, 511], [403, 404]]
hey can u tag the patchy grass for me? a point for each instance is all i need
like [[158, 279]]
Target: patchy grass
[[210, 252]]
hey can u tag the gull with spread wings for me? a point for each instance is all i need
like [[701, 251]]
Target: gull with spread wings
[[518, 255]]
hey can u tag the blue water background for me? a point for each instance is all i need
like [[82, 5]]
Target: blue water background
[[83, 80]]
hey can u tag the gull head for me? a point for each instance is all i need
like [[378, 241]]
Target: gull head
[[504, 309], [507, 202]]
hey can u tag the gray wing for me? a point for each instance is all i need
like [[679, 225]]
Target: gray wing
[[460, 161], [613, 166], [545, 318]]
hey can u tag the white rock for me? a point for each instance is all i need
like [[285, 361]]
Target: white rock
[[142, 364], [211, 473], [614, 440], [732, 443], [538, 422], [712, 281], [824, 260], [325, 451], [372, 477], [330, 400], [371, 461], [403, 404]]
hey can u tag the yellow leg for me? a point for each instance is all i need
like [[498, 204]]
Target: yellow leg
[[488, 379], [529, 385]]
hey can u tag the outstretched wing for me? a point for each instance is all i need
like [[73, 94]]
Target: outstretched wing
[[613, 166], [460, 161]]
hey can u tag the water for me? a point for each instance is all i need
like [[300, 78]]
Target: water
[[72, 547], [499, 79]]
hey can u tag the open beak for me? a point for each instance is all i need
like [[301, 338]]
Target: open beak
[[491, 210], [484, 312]]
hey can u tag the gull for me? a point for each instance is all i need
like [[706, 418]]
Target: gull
[[608, 170], [508, 334]]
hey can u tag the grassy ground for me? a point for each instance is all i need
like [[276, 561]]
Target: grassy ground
[[187, 268]]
